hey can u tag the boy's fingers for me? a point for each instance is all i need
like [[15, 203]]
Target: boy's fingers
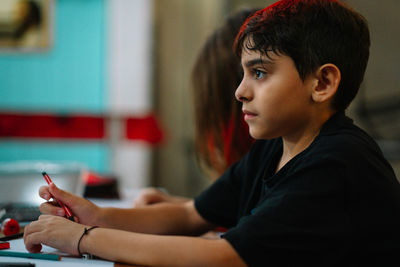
[[33, 242], [31, 237], [44, 192], [30, 228], [51, 208]]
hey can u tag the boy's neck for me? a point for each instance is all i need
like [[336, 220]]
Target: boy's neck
[[296, 143]]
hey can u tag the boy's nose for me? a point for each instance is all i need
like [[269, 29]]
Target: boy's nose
[[242, 93]]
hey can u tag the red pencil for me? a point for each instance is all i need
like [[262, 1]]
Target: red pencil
[[68, 213]]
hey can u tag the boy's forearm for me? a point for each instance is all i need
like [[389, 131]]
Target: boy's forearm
[[156, 250], [162, 218]]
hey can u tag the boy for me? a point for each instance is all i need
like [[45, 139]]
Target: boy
[[314, 190]]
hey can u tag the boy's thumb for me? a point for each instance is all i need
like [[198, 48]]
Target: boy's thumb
[[61, 195]]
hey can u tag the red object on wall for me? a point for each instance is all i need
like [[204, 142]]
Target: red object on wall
[[75, 126], [51, 126], [145, 128]]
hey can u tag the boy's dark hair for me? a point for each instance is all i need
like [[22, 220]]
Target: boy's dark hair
[[312, 33]]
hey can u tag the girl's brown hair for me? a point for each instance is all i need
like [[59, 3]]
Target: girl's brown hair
[[221, 136]]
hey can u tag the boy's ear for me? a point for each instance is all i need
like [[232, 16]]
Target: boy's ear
[[328, 78]]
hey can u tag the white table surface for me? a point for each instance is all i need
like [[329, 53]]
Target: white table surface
[[18, 246]]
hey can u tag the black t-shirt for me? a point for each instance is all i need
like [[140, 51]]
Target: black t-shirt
[[337, 203]]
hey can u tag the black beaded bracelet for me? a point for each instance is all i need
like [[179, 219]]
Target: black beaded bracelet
[[85, 232]]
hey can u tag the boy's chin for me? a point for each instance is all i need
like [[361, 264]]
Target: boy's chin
[[260, 135], [256, 134]]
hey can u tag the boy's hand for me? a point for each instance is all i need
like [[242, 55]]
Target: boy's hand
[[84, 211], [53, 231]]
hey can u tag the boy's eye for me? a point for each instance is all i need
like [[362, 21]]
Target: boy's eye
[[241, 72], [258, 74]]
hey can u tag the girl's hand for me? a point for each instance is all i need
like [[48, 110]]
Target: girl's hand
[[149, 196], [55, 232], [84, 211]]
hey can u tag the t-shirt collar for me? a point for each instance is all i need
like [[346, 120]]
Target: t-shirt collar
[[338, 120]]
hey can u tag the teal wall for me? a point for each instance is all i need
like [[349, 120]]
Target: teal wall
[[94, 155], [69, 77]]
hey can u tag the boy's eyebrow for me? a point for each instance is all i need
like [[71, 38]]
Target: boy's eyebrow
[[257, 61]]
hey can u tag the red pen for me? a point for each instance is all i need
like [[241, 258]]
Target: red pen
[[68, 213]]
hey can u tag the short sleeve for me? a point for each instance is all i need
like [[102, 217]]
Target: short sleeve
[[226, 200], [219, 203]]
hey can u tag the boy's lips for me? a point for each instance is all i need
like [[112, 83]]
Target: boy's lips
[[248, 114]]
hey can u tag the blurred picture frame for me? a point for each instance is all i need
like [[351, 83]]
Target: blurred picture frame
[[26, 25]]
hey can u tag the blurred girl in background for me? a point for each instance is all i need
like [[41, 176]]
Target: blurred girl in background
[[221, 135]]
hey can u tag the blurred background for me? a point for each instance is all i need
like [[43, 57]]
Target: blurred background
[[105, 83]]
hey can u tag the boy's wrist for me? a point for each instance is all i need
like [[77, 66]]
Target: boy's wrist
[[100, 217], [83, 243]]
